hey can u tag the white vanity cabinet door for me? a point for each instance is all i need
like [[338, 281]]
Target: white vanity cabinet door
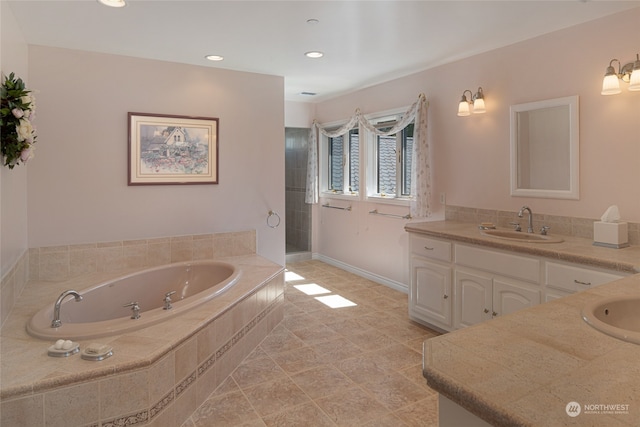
[[430, 299], [510, 296], [481, 296], [474, 297]]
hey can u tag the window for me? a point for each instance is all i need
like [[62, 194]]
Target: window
[[344, 161], [392, 165], [369, 165]]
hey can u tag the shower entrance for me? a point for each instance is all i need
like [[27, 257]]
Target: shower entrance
[[298, 213]]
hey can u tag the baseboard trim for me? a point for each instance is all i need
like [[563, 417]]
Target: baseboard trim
[[363, 273]]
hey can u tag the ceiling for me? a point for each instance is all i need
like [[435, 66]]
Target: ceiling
[[364, 42]]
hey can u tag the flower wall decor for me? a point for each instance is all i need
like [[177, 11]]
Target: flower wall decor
[[17, 110]]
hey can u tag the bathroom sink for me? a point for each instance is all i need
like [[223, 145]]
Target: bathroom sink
[[521, 236], [618, 317]]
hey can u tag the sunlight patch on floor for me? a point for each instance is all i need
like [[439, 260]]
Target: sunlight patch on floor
[[291, 276], [336, 301], [312, 289]]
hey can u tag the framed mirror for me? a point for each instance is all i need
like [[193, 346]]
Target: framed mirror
[[545, 155]]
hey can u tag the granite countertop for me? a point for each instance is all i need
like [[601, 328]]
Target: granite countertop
[[572, 249], [523, 369]]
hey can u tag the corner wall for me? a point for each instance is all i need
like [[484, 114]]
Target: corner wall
[[13, 183], [78, 190], [470, 155]]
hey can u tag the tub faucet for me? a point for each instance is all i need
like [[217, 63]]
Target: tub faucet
[[56, 322], [135, 309], [167, 300], [530, 224]]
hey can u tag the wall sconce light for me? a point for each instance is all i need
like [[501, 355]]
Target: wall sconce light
[[629, 73], [477, 100]]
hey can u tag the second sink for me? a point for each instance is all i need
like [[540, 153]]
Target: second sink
[[519, 236], [618, 317]]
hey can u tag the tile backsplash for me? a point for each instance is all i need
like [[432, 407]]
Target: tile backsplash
[[64, 262]]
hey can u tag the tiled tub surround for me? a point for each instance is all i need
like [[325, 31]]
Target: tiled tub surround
[[68, 261], [524, 368], [157, 376], [564, 225]]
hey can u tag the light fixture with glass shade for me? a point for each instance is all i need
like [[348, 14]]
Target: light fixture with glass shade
[[476, 99], [629, 73], [113, 3]]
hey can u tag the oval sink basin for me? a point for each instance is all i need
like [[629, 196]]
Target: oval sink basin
[[618, 317], [520, 236]]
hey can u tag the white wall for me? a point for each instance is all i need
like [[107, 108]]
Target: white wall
[[13, 183], [471, 154], [298, 114], [78, 191]]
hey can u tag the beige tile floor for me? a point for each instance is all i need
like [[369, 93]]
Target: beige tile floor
[[322, 366]]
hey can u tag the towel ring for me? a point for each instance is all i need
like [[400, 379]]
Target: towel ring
[[273, 224]]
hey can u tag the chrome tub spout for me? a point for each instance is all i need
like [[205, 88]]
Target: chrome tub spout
[[56, 322]]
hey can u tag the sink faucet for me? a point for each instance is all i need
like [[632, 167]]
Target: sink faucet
[[56, 322], [530, 224]]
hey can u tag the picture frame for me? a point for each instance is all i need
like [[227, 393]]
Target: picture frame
[[172, 150]]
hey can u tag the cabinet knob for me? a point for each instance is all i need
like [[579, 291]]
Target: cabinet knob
[[446, 296], [428, 248], [581, 283], [486, 310], [494, 314]]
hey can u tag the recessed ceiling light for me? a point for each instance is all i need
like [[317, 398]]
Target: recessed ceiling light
[[314, 54], [113, 3], [214, 57]]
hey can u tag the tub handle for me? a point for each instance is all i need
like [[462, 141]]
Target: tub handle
[[167, 300], [135, 309]]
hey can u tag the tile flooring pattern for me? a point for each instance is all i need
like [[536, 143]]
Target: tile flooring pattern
[[349, 366]]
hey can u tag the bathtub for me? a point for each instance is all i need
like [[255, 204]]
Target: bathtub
[[101, 311]]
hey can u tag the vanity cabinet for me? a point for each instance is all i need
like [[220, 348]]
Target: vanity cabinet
[[564, 279], [490, 283], [431, 296], [480, 296], [455, 285]]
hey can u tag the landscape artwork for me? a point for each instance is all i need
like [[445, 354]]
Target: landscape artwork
[[172, 149]]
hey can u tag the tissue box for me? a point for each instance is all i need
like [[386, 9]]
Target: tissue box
[[610, 234]]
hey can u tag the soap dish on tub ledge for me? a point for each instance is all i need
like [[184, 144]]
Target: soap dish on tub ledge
[[71, 348], [96, 352]]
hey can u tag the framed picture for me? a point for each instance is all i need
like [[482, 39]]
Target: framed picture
[[172, 149]]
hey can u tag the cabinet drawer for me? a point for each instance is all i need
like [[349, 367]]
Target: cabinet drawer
[[431, 248], [509, 265], [575, 279]]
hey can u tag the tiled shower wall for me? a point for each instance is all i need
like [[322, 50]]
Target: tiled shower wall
[[298, 213]]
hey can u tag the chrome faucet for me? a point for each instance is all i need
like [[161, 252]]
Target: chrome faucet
[[167, 300], [56, 322], [530, 224], [135, 309]]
